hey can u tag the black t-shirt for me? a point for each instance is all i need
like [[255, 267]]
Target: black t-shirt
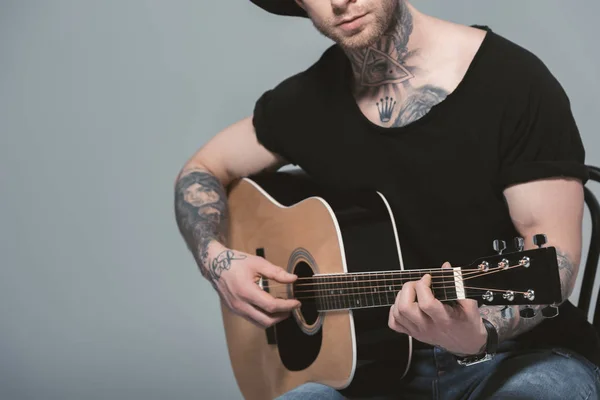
[[509, 121]]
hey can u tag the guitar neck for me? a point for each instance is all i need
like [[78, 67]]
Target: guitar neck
[[375, 289]]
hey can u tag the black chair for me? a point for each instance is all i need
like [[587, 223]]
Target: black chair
[[591, 265]]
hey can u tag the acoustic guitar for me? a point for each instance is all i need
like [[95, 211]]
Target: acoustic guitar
[[328, 239]]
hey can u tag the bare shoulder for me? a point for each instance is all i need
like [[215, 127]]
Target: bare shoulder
[[464, 41], [454, 47]]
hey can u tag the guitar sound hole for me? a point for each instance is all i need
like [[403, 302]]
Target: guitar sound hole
[[300, 337], [306, 292]]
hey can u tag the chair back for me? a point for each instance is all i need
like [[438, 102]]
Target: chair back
[[591, 264]]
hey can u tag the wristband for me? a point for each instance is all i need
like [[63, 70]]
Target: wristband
[[491, 346]]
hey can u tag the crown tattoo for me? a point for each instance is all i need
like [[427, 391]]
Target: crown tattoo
[[386, 108]]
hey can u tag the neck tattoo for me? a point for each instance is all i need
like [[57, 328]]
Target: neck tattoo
[[381, 73]]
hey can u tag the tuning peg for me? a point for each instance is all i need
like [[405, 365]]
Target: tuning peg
[[550, 311], [519, 243], [527, 312], [507, 312], [540, 240], [499, 246]]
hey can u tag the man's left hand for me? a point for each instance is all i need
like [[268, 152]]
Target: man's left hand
[[458, 329]]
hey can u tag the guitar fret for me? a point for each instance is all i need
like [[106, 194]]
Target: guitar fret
[[355, 286], [341, 291], [370, 288], [386, 288], [336, 300], [317, 296], [326, 293], [357, 292], [379, 288], [364, 301], [444, 284], [367, 290], [336, 292], [374, 289], [356, 298], [394, 285]]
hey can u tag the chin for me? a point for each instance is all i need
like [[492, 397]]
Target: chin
[[363, 39], [359, 41]]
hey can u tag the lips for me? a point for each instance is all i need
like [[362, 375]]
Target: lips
[[349, 20]]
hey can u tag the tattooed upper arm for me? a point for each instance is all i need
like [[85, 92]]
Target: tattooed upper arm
[[553, 207]]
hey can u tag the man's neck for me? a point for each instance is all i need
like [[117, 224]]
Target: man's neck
[[384, 62]]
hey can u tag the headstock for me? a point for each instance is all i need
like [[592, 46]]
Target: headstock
[[521, 277]]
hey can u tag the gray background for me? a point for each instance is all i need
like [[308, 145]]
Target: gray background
[[100, 104]]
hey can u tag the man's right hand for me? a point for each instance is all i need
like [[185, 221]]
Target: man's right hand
[[235, 275]]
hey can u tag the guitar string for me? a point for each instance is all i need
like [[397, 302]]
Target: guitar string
[[378, 279], [475, 274], [394, 285], [394, 291], [384, 284], [401, 272]]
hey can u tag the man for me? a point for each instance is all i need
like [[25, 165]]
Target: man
[[470, 138]]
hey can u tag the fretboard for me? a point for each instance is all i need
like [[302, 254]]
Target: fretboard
[[376, 289]]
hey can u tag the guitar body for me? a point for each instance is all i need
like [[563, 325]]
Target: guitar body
[[294, 224], [344, 248]]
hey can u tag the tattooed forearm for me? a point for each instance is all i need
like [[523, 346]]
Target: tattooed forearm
[[202, 215], [510, 323], [568, 273], [508, 320]]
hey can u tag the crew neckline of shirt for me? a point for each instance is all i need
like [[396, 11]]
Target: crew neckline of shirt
[[444, 104]]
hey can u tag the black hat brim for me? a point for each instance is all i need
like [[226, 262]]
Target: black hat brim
[[281, 7]]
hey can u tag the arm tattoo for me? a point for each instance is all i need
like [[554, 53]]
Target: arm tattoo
[[222, 262], [202, 217], [514, 325], [568, 273]]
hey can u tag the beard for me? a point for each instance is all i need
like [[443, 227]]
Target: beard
[[383, 18]]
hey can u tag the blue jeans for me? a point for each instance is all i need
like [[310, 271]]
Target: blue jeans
[[512, 374]]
